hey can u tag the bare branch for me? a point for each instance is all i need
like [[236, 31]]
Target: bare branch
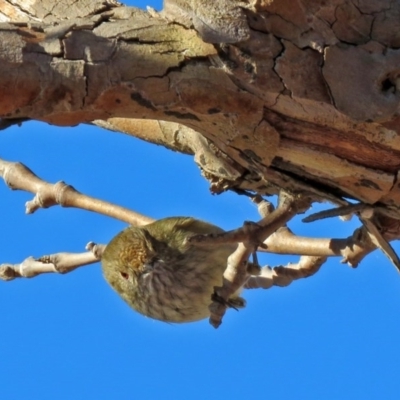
[[336, 212], [269, 234], [284, 241], [284, 276], [366, 214], [56, 263], [236, 274], [19, 177], [378, 240]]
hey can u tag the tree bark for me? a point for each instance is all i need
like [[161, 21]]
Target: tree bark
[[308, 102]]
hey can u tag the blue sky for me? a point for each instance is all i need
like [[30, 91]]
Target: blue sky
[[332, 336]]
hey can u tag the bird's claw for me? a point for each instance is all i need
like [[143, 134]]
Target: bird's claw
[[235, 302]]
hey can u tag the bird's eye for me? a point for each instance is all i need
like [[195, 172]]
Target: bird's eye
[[124, 275]]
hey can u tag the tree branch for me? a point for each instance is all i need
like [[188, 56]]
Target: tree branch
[[285, 275], [18, 177], [269, 234], [282, 130], [249, 238], [59, 263]]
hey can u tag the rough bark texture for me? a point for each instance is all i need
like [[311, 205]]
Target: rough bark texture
[[309, 102]]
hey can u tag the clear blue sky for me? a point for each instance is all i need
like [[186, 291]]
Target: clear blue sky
[[332, 336]]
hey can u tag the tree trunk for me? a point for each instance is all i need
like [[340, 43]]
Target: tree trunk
[[308, 101]]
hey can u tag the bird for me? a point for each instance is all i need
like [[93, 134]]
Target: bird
[[161, 275]]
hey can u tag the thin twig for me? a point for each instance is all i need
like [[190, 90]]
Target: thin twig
[[378, 240], [336, 212], [365, 213], [55, 263], [19, 177], [285, 275]]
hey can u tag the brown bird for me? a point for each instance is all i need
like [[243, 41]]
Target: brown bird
[[159, 274]]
